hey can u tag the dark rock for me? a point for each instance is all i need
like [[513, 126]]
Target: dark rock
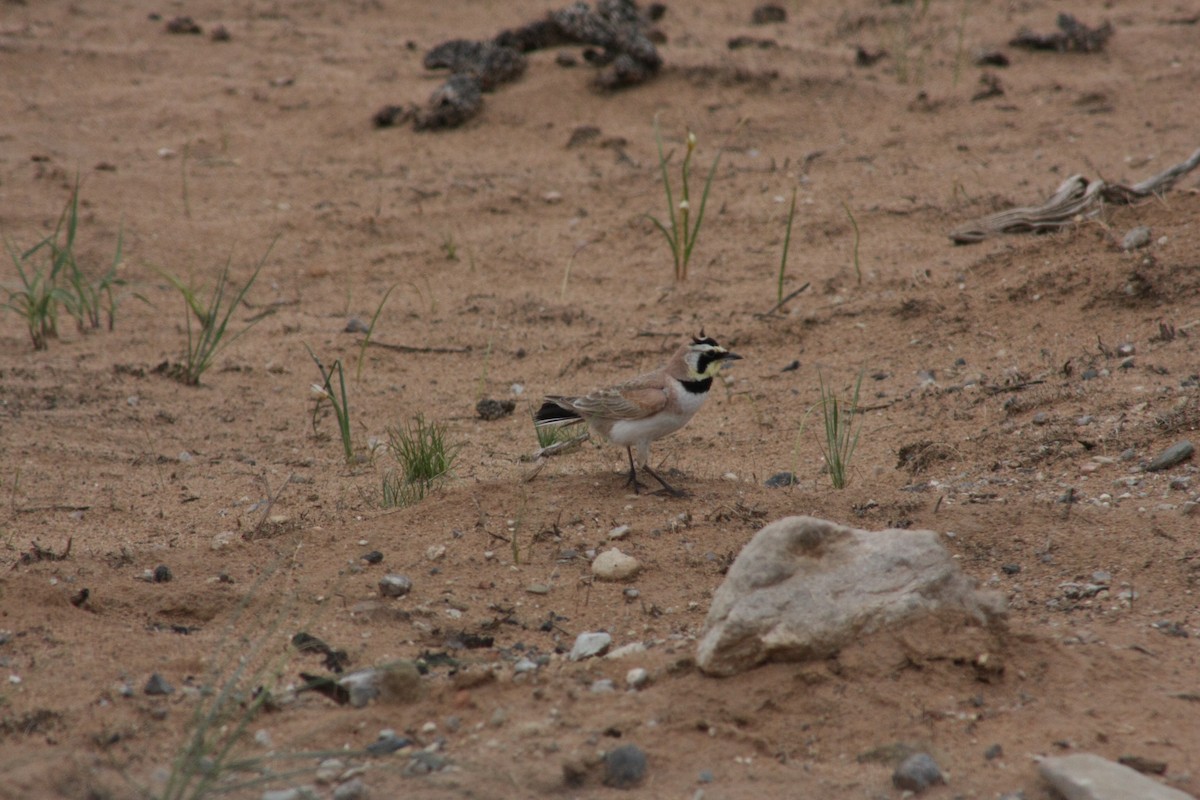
[[1011, 569], [744, 42], [1072, 36], [373, 557], [487, 62], [1175, 454], [387, 745], [451, 104], [624, 767], [490, 409], [386, 117], [162, 574], [768, 13], [917, 773], [1089, 374], [354, 324], [991, 58], [993, 752], [781, 479], [867, 58], [157, 685], [185, 25]]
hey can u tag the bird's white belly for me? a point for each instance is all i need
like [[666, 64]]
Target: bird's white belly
[[630, 432]]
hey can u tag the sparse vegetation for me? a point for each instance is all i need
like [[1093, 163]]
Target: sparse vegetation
[[787, 241], [841, 430], [206, 333], [362, 349], [326, 393], [683, 231], [424, 457], [854, 224], [61, 281], [213, 759]]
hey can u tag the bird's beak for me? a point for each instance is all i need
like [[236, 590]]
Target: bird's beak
[[729, 356]]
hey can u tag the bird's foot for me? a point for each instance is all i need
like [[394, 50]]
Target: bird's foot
[[668, 488]]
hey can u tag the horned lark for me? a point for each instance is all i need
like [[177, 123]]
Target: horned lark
[[646, 408]]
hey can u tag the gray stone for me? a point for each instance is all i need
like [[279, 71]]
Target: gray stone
[[295, 793], [395, 585], [396, 682], [157, 685], [1175, 454], [804, 587], [613, 565], [624, 767], [353, 789], [590, 644], [1085, 776], [1136, 238], [423, 762], [917, 773]]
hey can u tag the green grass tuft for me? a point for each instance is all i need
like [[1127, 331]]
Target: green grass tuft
[[207, 321], [337, 400], [424, 457], [841, 430]]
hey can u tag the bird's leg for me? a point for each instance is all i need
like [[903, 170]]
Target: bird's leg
[[633, 481], [671, 490]]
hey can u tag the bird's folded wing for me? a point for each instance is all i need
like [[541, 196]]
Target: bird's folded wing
[[625, 404]]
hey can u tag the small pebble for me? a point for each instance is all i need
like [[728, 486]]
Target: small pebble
[[613, 565], [157, 685], [637, 678], [993, 752], [353, 789], [395, 585], [619, 532], [589, 644], [162, 574], [356, 325], [624, 766], [1136, 238], [768, 13], [917, 773], [373, 557], [490, 409], [388, 744], [780, 479], [423, 762]]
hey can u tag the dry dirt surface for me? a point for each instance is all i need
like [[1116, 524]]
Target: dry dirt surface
[[1012, 392]]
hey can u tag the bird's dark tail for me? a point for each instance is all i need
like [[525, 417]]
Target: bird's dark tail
[[552, 413]]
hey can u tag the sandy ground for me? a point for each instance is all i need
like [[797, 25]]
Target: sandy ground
[[523, 263]]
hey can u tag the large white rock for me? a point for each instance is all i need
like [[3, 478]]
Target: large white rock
[[1085, 776], [804, 587]]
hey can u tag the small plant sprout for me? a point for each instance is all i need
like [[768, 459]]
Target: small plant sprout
[[62, 282], [362, 349], [682, 231], [787, 240], [326, 393], [36, 300], [206, 333], [424, 458], [841, 430], [854, 224]]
